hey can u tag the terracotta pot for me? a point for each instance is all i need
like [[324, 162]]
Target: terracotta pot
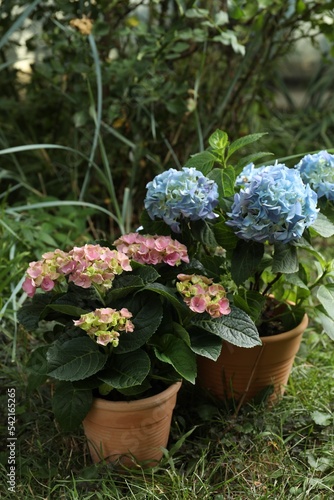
[[240, 373], [130, 432]]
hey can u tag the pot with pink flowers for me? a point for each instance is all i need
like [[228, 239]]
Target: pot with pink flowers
[[120, 327]]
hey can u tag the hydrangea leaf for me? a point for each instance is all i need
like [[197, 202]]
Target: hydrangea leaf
[[151, 226], [31, 312], [203, 162], [225, 180], [245, 260], [168, 293], [218, 140], [237, 328], [202, 232], [205, 344], [71, 404], [251, 302], [225, 236], [67, 309], [127, 370], [323, 226], [123, 286], [147, 314], [243, 141], [75, 359], [325, 295], [326, 322], [177, 353], [245, 160], [285, 259]]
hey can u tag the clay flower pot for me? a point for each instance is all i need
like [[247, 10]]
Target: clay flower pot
[[130, 432], [240, 374]]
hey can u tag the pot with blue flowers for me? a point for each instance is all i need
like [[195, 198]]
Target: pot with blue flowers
[[118, 329], [262, 242]]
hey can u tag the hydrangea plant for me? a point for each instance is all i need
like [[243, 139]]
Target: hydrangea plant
[[216, 239], [266, 235], [123, 321]]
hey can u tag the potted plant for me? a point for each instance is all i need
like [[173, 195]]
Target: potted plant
[[263, 244], [122, 325]]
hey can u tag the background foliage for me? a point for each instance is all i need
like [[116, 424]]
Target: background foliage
[[146, 88]]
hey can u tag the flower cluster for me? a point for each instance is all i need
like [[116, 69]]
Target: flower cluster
[[84, 266], [318, 171], [246, 175], [185, 194], [104, 325], [202, 295], [274, 205], [147, 249]]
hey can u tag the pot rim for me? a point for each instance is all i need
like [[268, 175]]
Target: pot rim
[[297, 330], [139, 404]]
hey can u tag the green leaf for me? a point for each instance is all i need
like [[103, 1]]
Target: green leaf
[[67, 309], [295, 279], [325, 295], [225, 180], [251, 302], [321, 418], [205, 344], [242, 142], [168, 293], [225, 236], [245, 260], [70, 405], [75, 359], [147, 314], [154, 226], [326, 322], [245, 160], [285, 259], [203, 162], [147, 273], [136, 389], [323, 226], [237, 328], [127, 370], [203, 232], [177, 353], [218, 140], [123, 286], [30, 313], [181, 332]]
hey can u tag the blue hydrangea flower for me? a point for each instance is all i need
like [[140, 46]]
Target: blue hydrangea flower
[[246, 174], [275, 206], [176, 194], [318, 171]]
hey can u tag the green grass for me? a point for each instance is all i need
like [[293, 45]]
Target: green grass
[[279, 453]]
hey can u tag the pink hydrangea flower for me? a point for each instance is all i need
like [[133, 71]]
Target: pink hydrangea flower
[[147, 249], [105, 324], [45, 273], [84, 266], [201, 295], [98, 265]]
